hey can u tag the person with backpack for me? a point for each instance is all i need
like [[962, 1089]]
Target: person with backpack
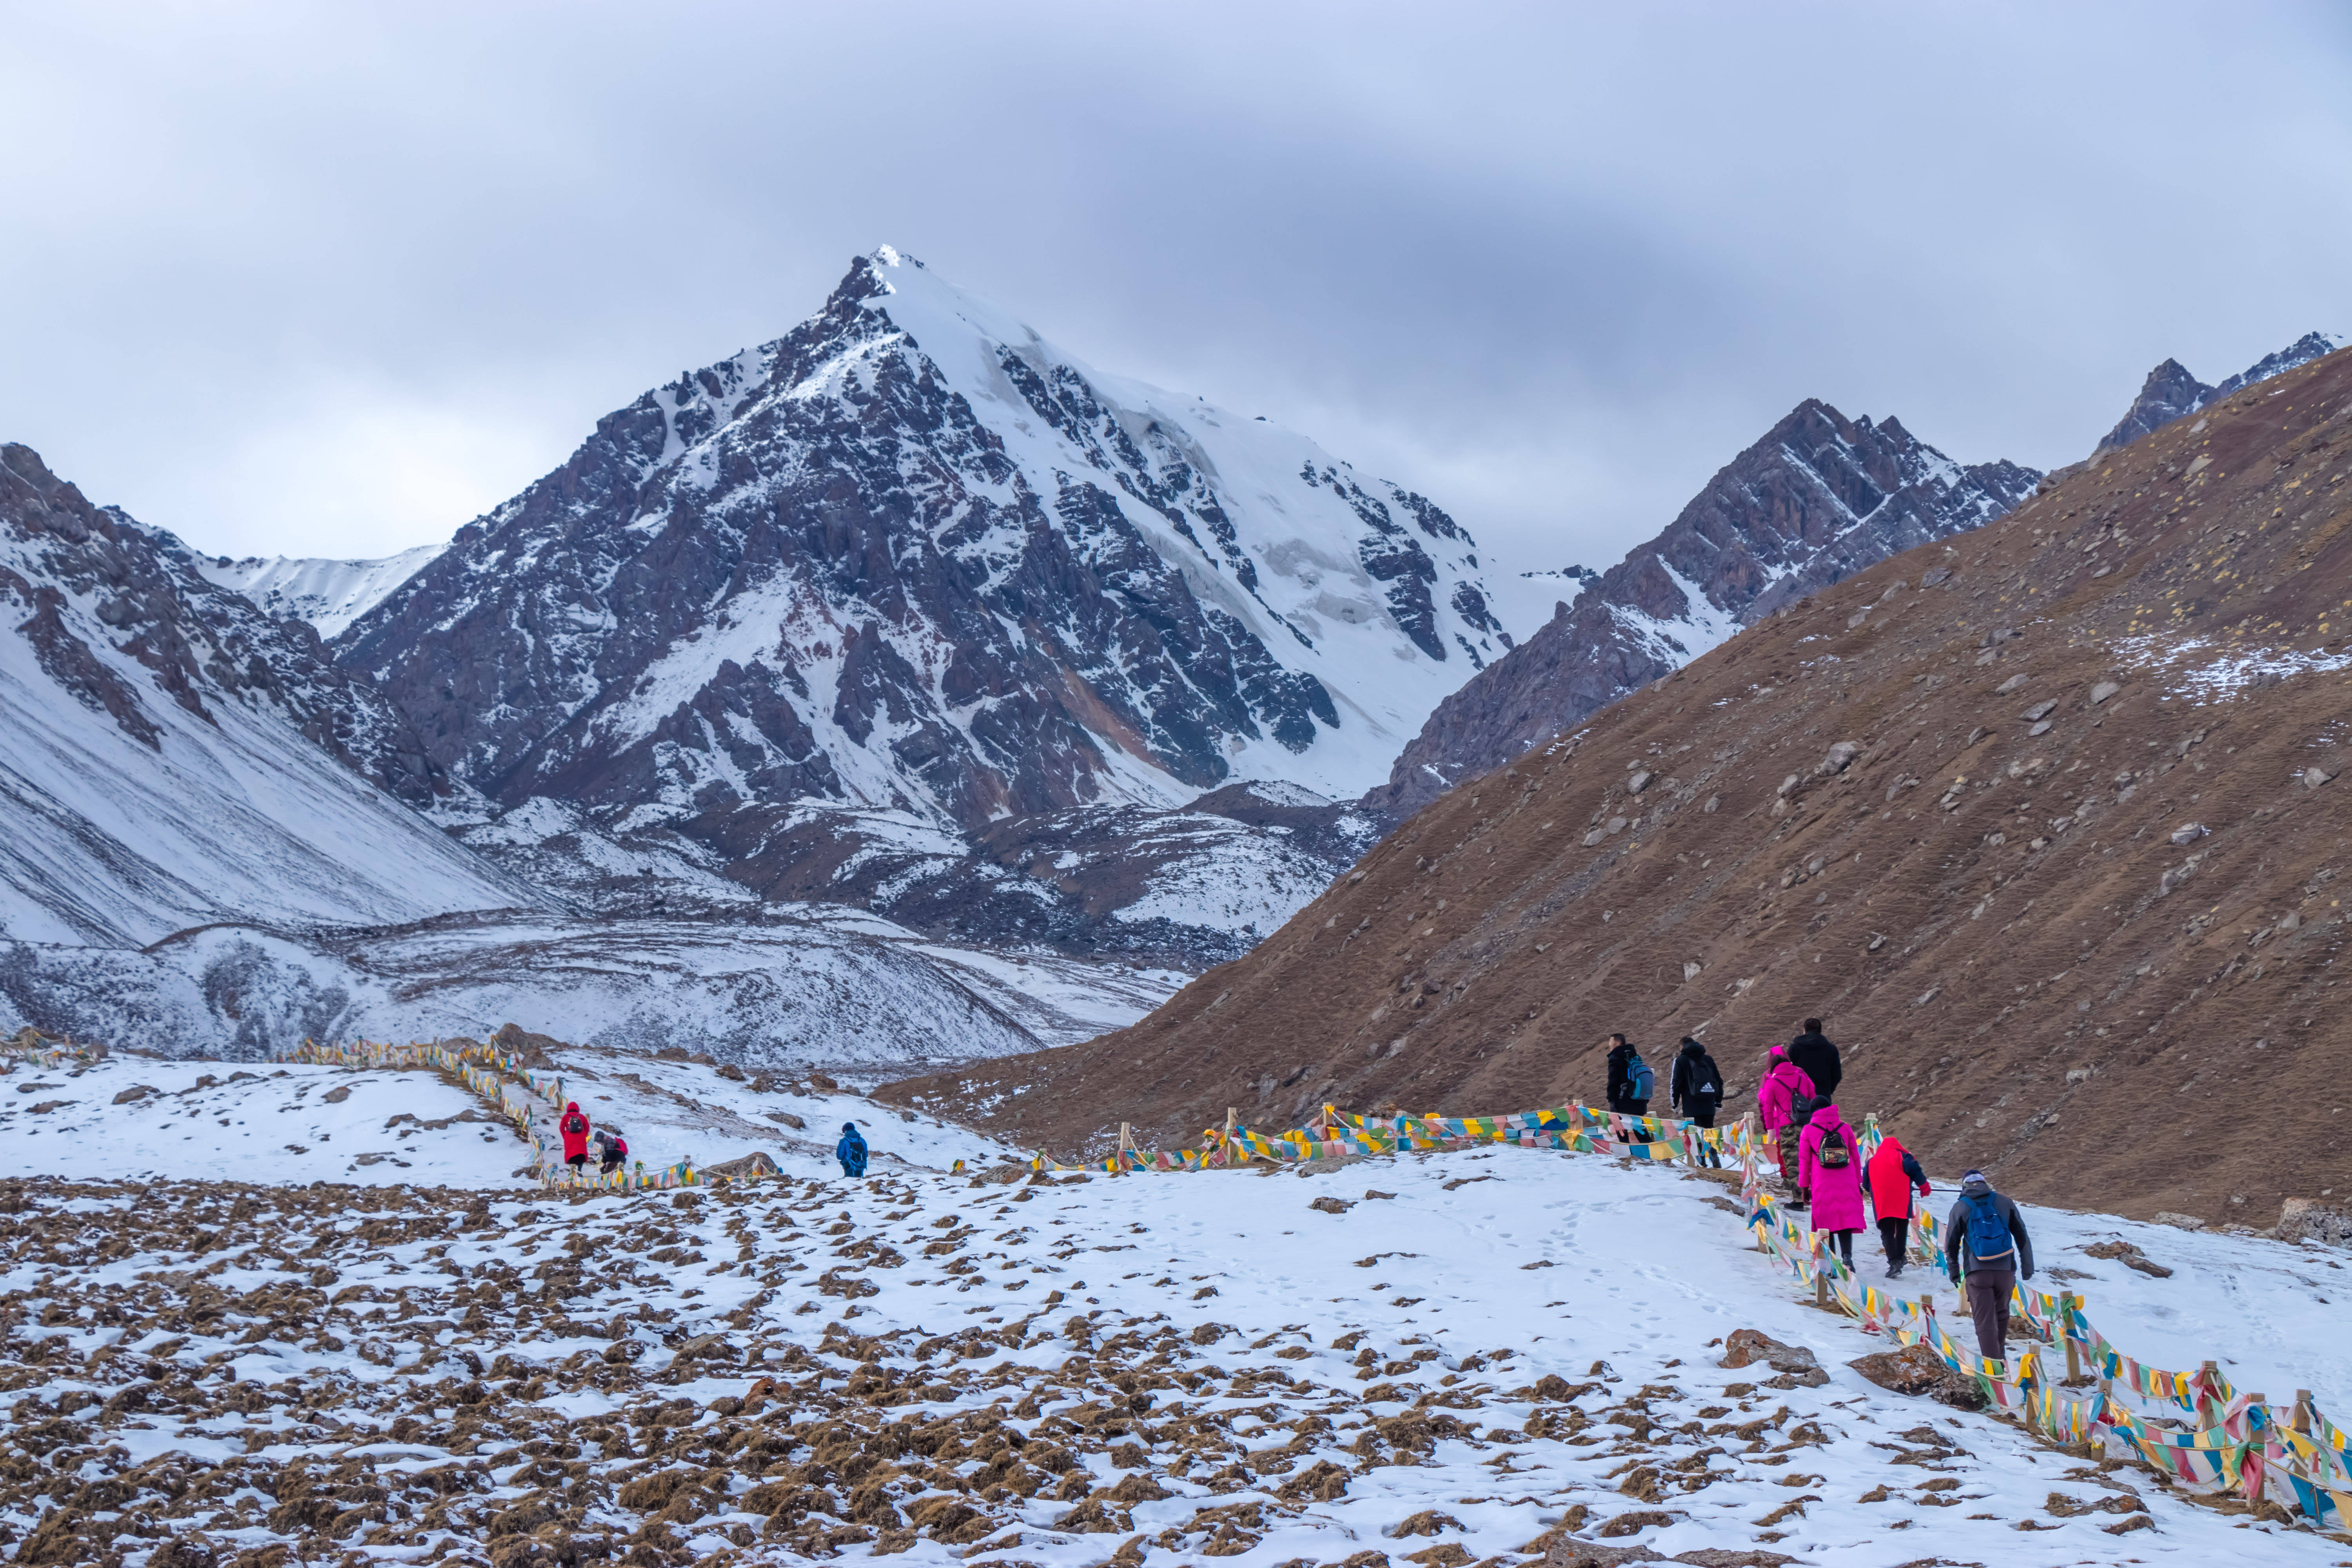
[[1784, 1099], [1630, 1080], [1817, 1059], [850, 1150], [574, 1128], [1829, 1159], [613, 1149], [1894, 1172], [1986, 1238], [1697, 1090]]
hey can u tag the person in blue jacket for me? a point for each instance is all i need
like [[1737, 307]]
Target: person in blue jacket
[[850, 1150]]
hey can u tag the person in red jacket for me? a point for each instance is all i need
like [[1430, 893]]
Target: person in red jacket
[[1893, 1174], [574, 1128], [1830, 1168]]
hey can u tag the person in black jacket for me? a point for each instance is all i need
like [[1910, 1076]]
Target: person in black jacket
[[1697, 1090], [1985, 1238], [1817, 1059], [1620, 1091]]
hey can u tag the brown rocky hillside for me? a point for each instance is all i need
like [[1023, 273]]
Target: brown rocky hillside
[[2038, 819]]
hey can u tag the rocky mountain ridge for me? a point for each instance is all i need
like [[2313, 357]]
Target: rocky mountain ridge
[[1818, 498], [2171, 393]]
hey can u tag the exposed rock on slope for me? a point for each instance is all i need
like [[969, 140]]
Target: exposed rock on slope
[[1816, 500], [2069, 897], [2171, 393], [175, 756], [912, 557]]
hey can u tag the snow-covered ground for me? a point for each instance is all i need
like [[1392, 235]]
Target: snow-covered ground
[[232, 1121], [673, 1111], [1485, 1352], [269, 1122]]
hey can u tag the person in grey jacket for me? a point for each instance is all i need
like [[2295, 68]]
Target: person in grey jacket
[[1985, 1238]]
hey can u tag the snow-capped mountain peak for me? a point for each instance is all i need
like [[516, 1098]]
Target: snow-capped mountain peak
[[912, 555]]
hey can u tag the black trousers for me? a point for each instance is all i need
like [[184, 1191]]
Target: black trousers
[[1841, 1242], [1988, 1292], [1896, 1235], [1705, 1117]]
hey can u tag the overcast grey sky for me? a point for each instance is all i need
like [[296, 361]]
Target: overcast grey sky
[[332, 279]]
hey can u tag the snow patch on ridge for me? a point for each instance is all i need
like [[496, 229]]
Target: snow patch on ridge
[[329, 594]]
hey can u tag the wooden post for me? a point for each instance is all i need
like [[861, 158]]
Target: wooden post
[[1124, 1145], [2300, 1418], [2065, 1321], [1228, 1158]]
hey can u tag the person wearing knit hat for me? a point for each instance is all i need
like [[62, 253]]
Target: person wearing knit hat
[[1985, 1238]]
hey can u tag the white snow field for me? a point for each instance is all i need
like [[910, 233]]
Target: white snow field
[[1194, 1365]]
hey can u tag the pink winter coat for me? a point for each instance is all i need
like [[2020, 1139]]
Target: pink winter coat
[[1836, 1194], [1775, 1096]]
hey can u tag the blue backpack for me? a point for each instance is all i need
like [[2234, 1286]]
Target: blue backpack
[[1988, 1236], [1638, 1080]]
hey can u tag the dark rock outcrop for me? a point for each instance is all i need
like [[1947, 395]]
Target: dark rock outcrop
[[1818, 498], [2171, 393]]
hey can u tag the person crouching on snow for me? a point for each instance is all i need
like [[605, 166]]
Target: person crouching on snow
[[574, 1128], [850, 1150], [612, 1148]]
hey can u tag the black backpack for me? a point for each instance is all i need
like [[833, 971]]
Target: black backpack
[[1833, 1155]]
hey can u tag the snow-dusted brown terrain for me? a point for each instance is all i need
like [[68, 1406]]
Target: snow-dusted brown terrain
[[1499, 1357]]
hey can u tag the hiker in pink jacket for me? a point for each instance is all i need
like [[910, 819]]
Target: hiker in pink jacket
[[1830, 1166], [1777, 1093]]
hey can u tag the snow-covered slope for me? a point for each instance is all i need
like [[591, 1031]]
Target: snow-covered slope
[[329, 594], [671, 1111], [791, 984], [184, 1121], [173, 757], [912, 556]]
